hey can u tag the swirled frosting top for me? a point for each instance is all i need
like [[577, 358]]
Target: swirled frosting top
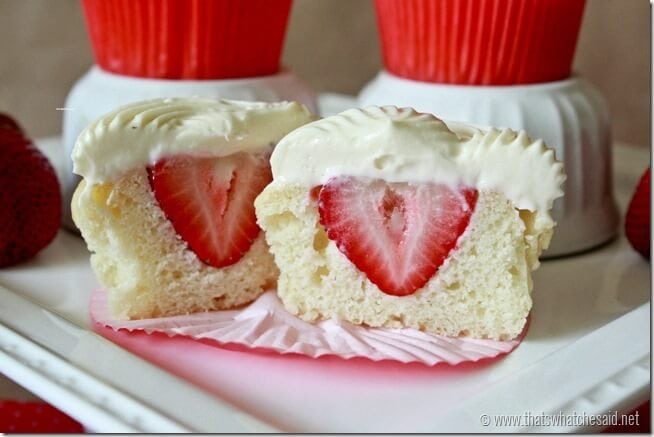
[[141, 133], [402, 145]]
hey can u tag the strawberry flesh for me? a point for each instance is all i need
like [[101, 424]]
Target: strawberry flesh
[[397, 234], [210, 202]]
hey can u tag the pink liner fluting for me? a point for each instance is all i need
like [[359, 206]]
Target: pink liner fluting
[[266, 324]]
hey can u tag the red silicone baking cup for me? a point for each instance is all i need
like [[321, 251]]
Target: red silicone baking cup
[[188, 39], [479, 42]]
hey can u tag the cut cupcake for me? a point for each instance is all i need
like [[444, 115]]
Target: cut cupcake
[[166, 202], [388, 217]]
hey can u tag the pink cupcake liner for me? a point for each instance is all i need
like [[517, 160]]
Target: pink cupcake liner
[[266, 325]]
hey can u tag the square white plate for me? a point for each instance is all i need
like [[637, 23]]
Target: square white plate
[[587, 350]]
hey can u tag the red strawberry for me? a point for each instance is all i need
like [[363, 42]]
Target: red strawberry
[[637, 220], [35, 417], [30, 199], [398, 234], [210, 202], [6, 122]]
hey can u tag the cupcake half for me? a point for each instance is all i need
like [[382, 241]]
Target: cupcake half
[[166, 202], [388, 217]]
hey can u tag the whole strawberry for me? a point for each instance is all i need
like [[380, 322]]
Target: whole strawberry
[[6, 122], [638, 217], [30, 197], [35, 417]]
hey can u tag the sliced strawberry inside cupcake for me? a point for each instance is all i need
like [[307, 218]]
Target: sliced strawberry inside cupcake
[[387, 217], [398, 234], [166, 203], [210, 202]]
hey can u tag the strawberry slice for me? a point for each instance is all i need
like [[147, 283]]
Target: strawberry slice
[[397, 234], [210, 202], [637, 221]]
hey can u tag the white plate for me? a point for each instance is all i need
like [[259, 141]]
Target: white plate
[[587, 350]]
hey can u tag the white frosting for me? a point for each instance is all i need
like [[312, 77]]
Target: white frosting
[[402, 145], [141, 133]]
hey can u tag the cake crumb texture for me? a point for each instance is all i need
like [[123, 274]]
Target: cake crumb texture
[[146, 268], [482, 290]]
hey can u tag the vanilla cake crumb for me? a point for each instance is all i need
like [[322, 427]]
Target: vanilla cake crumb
[[482, 290], [146, 266]]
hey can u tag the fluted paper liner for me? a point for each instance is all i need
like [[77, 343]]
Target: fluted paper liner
[[188, 39], [266, 324], [479, 42]]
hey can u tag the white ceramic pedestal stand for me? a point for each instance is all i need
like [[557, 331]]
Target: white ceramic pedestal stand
[[570, 115], [99, 92]]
